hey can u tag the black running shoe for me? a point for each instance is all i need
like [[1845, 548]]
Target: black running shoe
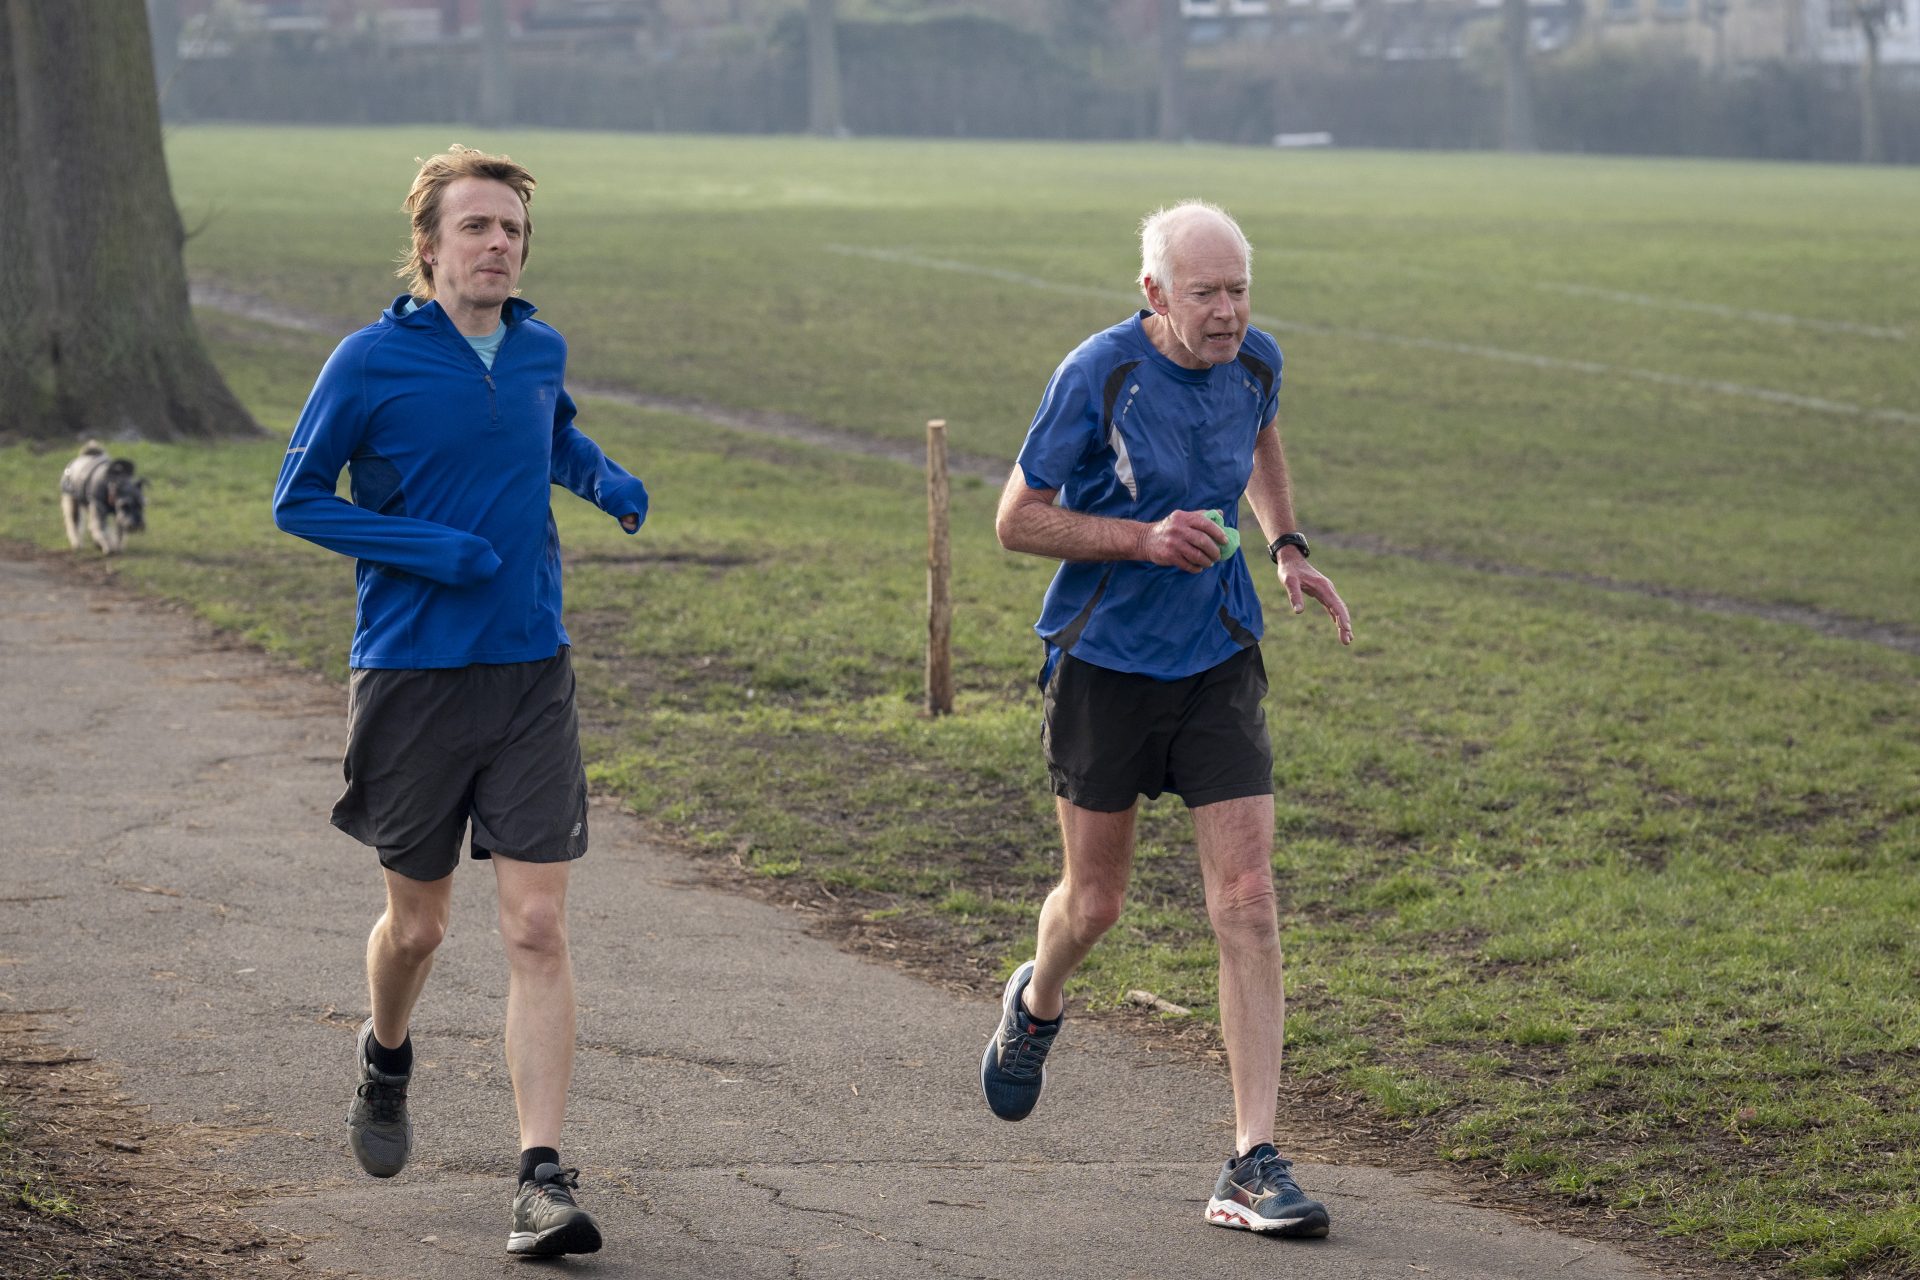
[[1256, 1192], [1014, 1069], [546, 1221], [378, 1129]]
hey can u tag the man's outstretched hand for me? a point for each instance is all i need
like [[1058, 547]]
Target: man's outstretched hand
[[1303, 580]]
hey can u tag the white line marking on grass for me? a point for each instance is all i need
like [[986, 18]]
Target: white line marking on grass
[[973, 269], [1716, 309], [1766, 394], [1649, 300]]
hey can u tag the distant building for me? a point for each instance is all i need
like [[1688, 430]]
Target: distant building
[[1731, 33], [1833, 35], [1391, 30], [1717, 33], [214, 28]]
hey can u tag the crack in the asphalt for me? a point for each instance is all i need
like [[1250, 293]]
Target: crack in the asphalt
[[931, 1251], [689, 1227]]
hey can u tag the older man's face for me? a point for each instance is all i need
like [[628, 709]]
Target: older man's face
[[1206, 303]]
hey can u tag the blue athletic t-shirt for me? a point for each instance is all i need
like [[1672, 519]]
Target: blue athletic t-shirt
[[1125, 432]]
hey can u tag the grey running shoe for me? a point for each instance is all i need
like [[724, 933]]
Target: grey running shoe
[[377, 1125], [1256, 1192], [1014, 1069], [546, 1221]]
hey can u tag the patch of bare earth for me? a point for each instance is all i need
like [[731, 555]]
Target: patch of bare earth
[[93, 1188]]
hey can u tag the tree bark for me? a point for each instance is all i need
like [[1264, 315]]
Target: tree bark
[[1173, 66], [823, 71], [100, 340], [1516, 117]]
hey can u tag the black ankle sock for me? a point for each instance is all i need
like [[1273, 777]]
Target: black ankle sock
[[1045, 1022], [393, 1062], [533, 1157]]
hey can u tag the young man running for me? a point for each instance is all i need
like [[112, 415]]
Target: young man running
[[451, 416]]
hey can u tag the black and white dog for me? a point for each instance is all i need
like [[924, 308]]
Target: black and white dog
[[112, 499]]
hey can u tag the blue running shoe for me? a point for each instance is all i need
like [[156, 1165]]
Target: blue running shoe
[[1014, 1069], [1256, 1192]]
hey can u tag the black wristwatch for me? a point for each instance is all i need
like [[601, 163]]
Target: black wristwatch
[[1288, 540]]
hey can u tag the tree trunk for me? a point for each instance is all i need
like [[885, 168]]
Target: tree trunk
[[1173, 65], [823, 71], [496, 67], [1516, 117], [101, 340], [1869, 92]]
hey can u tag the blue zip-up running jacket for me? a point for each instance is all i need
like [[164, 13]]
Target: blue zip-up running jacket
[[451, 467]]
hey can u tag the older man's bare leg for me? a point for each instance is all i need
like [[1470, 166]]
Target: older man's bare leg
[[1235, 839]]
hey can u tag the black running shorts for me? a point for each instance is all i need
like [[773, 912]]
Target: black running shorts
[[497, 745], [1113, 736]]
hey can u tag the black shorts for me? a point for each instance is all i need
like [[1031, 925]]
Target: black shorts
[[429, 750], [1113, 736]]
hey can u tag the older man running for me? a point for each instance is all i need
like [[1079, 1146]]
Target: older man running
[[1132, 474]]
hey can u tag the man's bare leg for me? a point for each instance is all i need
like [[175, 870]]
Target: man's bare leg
[[1086, 902], [1235, 839], [400, 951], [540, 1010]]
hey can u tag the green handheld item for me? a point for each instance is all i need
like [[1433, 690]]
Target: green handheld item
[[1233, 536]]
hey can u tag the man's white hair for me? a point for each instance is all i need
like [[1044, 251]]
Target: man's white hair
[[1162, 231]]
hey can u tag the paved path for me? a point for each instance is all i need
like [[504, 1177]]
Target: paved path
[[749, 1103]]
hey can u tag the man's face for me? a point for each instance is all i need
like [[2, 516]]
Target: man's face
[[1206, 304], [478, 246]]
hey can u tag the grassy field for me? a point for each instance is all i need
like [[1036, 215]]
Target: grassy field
[[716, 268], [1587, 888]]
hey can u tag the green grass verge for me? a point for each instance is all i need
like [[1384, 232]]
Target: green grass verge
[[1587, 887]]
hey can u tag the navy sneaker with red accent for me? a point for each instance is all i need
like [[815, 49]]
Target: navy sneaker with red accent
[[1256, 1192], [1014, 1069]]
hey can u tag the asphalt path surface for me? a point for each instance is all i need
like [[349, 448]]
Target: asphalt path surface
[[748, 1101]]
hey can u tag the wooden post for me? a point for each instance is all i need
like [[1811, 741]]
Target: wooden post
[[939, 568]]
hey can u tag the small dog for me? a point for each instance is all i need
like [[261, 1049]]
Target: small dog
[[112, 497]]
